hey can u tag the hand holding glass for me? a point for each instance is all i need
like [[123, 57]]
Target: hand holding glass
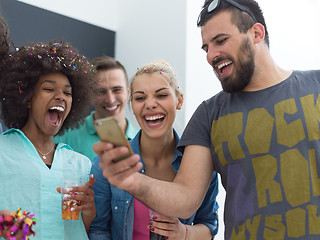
[[68, 205]]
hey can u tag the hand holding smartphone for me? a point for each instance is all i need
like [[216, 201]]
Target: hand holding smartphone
[[109, 130]]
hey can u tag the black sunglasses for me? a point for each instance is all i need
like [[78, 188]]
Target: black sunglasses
[[215, 3]]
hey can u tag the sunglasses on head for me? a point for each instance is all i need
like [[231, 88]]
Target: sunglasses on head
[[215, 4]]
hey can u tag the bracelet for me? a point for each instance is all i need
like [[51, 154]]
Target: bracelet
[[186, 232]]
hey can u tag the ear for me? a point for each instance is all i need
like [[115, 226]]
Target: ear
[[180, 101], [258, 33]]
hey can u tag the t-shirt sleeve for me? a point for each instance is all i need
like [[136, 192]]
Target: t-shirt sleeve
[[197, 131]]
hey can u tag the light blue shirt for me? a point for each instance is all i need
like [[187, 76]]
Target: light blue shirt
[[27, 183], [82, 139]]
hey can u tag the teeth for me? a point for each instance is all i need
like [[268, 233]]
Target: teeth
[[61, 109], [152, 118], [223, 65], [111, 108]]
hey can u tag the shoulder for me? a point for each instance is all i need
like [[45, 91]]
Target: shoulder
[[70, 155], [6, 142], [307, 75], [11, 135], [304, 80], [217, 99], [210, 107]]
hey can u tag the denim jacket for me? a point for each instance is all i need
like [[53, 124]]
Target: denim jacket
[[115, 207]]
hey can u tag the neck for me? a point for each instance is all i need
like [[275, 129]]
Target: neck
[[267, 73], [43, 143], [155, 149], [37, 136], [157, 155]]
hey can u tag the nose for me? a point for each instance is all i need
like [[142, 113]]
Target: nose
[[60, 96], [110, 97], [151, 104], [212, 54]]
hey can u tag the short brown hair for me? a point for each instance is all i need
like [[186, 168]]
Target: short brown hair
[[105, 63]]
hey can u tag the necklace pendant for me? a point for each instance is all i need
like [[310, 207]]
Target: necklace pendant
[[44, 155]]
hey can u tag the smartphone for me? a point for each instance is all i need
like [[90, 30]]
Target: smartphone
[[109, 130]]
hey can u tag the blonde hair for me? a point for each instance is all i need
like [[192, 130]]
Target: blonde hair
[[163, 68]]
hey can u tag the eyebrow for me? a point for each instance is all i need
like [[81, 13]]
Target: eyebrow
[[114, 87], [165, 88], [141, 92], [213, 39], [51, 81], [117, 87], [160, 89]]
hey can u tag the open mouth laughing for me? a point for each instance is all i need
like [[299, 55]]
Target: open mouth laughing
[[224, 67], [154, 119], [55, 114]]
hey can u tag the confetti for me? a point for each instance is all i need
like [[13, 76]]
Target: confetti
[[8, 223]]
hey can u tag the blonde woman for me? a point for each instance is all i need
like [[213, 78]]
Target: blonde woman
[[155, 99]]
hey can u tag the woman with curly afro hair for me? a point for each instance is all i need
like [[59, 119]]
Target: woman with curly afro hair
[[45, 91]]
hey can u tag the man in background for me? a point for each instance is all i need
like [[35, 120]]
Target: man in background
[[109, 98]]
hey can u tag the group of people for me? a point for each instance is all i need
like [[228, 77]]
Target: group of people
[[58, 94], [155, 97], [261, 134]]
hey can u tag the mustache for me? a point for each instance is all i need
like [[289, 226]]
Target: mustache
[[219, 59]]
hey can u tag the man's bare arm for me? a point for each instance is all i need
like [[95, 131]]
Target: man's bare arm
[[180, 198]]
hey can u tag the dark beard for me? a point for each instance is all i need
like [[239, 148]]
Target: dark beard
[[243, 70]]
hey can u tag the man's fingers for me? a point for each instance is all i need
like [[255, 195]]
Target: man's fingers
[[100, 147], [114, 168], [119, 178]]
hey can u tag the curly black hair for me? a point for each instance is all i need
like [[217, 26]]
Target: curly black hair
[[23, 68]]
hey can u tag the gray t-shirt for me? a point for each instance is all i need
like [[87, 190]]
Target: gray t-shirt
[[266, 146]]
